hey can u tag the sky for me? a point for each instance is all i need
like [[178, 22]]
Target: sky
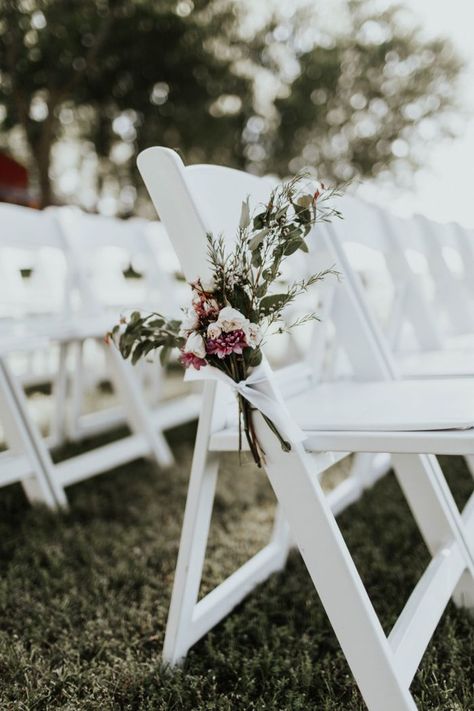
[[444, 189]]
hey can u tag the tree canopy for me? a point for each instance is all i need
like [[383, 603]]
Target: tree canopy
[[273, 92]]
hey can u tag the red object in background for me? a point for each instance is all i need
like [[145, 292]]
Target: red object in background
[[13, 182]]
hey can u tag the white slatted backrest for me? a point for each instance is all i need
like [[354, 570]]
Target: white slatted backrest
[[465, 246], [102, 249], [452, 298], [192, 201], [394, 289], [31, 240]]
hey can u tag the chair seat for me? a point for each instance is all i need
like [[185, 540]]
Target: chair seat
[[457, 362], [395, 406], [374, 415], [41, 331]]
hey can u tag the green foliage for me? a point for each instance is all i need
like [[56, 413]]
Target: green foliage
[[138, 336], [161, 67], [365, 97], [221, 83], [84, 598]]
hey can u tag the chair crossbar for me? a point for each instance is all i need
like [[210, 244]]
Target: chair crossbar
[[92, 424], [101, 459], [13, 467], [445, 442], [218, 603], [176, 412], [168, 415], [415, 626]]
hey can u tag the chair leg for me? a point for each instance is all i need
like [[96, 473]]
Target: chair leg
[[59, 397], [189, 620], [470, 463], [77, 393], [22, 435], [335, 576], [139, 416], [436, 513], [194, 534]]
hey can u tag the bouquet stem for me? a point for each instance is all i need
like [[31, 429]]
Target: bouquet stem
[[255, 448]]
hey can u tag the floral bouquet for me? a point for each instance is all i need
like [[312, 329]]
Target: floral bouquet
[[230, 315]]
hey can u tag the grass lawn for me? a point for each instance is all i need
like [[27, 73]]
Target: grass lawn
[[84, 599]]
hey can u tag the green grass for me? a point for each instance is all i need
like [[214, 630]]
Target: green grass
[[84, 599]]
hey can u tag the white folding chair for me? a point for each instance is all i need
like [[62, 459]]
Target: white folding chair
[[402, 255], [100, 249], [376, 413], [441, 306], [30, 244], [397, 242], [70, 324]]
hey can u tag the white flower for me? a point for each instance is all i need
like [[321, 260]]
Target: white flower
[[214, 330], [230, 319], [253, 335], [195, 344], [189, 323]]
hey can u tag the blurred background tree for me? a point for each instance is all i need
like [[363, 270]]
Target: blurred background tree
[[86, 84]]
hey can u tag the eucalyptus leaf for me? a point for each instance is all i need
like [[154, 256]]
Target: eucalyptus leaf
[[292, 245], [257, 240], [245, 215], [241, 300], [273, 302], [164, 356], [257, 258], [254, 358], [138, 351]]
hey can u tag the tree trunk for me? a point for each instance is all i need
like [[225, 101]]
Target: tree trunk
[[43, 161], [40, 138]]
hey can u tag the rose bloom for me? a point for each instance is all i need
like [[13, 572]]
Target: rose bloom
[[230, 319], [214, 330], [189, 323], [195, 345], [191, 360], [253, 335]]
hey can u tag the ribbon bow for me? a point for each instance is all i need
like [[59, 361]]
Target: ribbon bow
[[274, 408]]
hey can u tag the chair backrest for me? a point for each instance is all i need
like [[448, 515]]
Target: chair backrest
[[195, 200], [33, 269], [117, 265], [445, 260], [400, 287], [464, 245]]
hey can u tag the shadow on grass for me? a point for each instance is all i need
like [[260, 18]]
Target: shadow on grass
[[84, 598]]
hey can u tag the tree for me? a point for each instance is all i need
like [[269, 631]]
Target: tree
[[223, 84], [365, 100], [154, 65]]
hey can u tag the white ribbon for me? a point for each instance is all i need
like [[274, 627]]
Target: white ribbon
[[250, 388]]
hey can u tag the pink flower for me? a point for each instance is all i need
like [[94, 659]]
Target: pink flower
[[191, 360], [204, 305], [227, 343]]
